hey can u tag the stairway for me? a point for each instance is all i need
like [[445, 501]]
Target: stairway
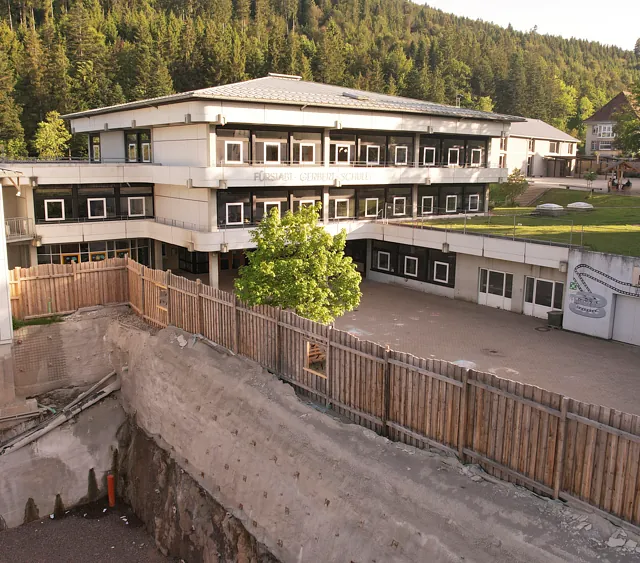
[[531, 194]]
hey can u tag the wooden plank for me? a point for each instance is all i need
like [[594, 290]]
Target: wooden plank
[[528, 402], [607, 428], [357, 352], [462, 409], [560, 448], [428, 373]]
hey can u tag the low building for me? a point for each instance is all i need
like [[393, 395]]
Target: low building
[[600, 126], [539, 149]]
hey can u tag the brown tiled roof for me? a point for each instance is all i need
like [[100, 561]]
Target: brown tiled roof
[[620, 102]]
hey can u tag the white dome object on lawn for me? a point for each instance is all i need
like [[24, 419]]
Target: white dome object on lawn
[[580, 206], [549, 207]]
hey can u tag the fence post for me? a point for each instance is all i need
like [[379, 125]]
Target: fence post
[[329, 389], [142, 306], [167, 277], [462, 422], [234, 320], [278, 342], [200, 321], [74, 288], [387, 392], [560, 447], [18, 313]]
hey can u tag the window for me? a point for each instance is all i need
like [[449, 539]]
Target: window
[[94, 142], [427, 204], [373, 154], [453, 157], [532, 145], [558, 294], [502, 163], [411, 266], [474, 202], [269, 205], [132, 152], [554, 147], [606, 131], [594, 145], [440, 272], [342, 154], [595, 130], [136, 207], [54, 210], [145, 146], [605, 146], [341, 208], [371, 207], [402, 156], [97, 208], [306, 203], [233, 152], [315, 360], [399, 205], [307, 153], [138, 146], [429, 156], [272, 153], [543, 292], [504, 143], [476, 157], [496, 283], [384, 260], [452, 204], [235, 213]]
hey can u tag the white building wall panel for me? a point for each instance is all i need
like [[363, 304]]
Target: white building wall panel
[[112, 146]]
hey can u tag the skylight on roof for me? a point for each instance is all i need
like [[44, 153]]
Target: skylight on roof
[[355, 96], [288, 76]]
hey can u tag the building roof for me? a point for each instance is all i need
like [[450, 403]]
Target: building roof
[[292, 90], [538, 129], [618, 103], [633, 166]]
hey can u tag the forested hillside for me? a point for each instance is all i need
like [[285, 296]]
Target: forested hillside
[[69, 55]]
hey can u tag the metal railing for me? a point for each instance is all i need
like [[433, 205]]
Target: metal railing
[[354, 164], [72, 220], [19, 228], [181, 224]]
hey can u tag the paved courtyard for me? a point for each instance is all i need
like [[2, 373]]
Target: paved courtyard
[[510, 345]]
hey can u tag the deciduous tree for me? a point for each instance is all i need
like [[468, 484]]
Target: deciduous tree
[[52, 137], [298, 265]]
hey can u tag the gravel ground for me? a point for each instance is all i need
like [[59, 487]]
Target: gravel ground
[[84, 535]]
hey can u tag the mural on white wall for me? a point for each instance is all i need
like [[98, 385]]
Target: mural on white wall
[[587, 302]]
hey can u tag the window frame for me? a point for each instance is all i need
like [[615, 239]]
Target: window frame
[[457, 151], [424, 156], [479, 163], [264, 208], [606, 146], [416, 261], [404, 205], [395, 155], [371, 162], [554, 147], [129, 147], [226, 152], [422, 205], [437, 263], [388, 255], [46, 210], [226, 215], [339, 146], [477, 199], [144, 144], [532, 145], [104, 204], [266, 144], [366, 200], [313, 148], [144, 206], [455, 209], [93, 145], [335, 208], [302, 202], [606, 131]]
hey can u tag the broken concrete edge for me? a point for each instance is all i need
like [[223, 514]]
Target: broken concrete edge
[[182, 515]]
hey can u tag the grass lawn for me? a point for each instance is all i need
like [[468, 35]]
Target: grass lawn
[[613, 226]]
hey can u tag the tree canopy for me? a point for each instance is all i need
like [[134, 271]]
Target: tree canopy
[[71, 55], [52, 138], [298, 265], [627, 128]]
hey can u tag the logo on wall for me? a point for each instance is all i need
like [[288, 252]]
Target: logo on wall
[[591, 305]]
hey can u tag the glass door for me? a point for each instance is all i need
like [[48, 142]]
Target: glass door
[[541, 296], [495, 289]]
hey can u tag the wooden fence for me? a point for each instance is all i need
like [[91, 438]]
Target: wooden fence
[[541, 440]]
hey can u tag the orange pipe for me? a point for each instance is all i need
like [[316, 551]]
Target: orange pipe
[[111, 490]]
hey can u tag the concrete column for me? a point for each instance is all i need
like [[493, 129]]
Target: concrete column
[[486, 198], [325, 205], [325, 147], [212, 146], [7, 387], [367, 264], [33, 256], [213, 210], [414, 201], [214, 269], [157, 255], [416, 149]]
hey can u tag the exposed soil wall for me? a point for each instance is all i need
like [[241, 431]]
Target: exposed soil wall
[[185, 521]]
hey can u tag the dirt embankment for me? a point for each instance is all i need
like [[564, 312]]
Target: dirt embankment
[[311, 488]]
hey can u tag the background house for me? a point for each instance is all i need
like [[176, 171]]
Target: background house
[[538, 149], [600, 134]]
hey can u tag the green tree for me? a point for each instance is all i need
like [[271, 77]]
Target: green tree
[[507, 192], [10, 126], [52, 137], [484, 103], [298, 265], [627, 130]]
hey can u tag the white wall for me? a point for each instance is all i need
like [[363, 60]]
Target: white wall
[[6, 325], [183, 145], [594, 281], [517, 153], [411, 284], [112, 146], [182, 204]]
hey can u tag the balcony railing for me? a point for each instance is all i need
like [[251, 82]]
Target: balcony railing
[[110, 219], [353, 164], [19, 228]]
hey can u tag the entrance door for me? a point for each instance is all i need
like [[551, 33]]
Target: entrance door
[[541, 296], [495, 289], [626, 320]]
